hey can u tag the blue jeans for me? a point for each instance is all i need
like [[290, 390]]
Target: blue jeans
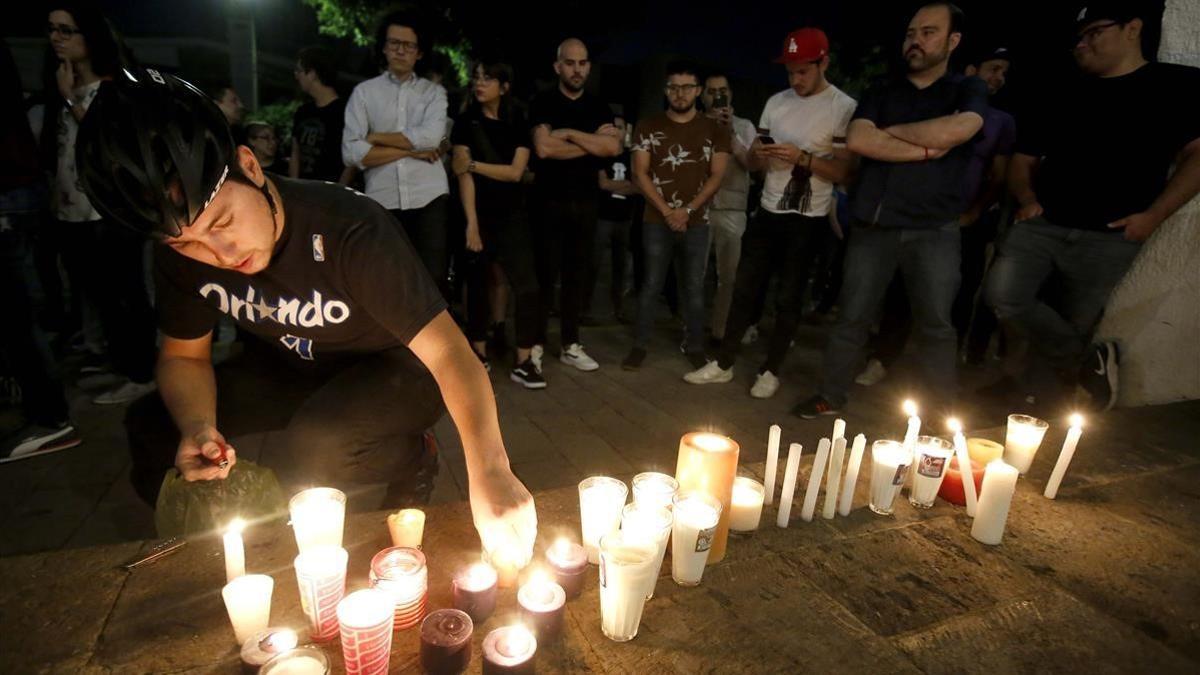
[[1086, 266], [689, 249], [928, 260]]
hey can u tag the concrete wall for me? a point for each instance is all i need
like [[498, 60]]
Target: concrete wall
[[1155, 312]]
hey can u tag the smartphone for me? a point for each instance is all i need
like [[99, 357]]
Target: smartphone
[[720, 101], [764, 137]]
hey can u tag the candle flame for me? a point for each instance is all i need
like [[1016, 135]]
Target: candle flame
[[954, 425], [516, 641], [910, 407], [279, 641], [236, 526], [711, 442], [481, 575], [1076, 420], [538, 577]]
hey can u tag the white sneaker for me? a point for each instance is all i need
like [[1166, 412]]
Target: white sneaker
[[125, 393], [709, 373], [535, 355], [765, 385], [750, 336], [872, 374], [574, 355]]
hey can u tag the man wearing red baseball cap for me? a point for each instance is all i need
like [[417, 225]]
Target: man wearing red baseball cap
[[802, 149]]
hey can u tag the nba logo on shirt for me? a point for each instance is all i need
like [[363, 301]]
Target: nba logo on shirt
[[318, 248]]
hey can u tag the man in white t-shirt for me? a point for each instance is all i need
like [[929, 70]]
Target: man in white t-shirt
[[801, 145]]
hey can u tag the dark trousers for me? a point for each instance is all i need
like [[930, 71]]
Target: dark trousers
[[611, 236], [928, 259], [507, 242], [565, 240], [426, 229], [350, 427], [782, 245], [688, 251], [975, 321]]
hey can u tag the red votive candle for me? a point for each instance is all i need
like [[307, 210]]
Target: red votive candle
[[568, 562], [474, 591], [543, 604], [446, 642], [509, 651], [952, 486]]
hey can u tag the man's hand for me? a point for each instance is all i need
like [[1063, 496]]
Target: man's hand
[[1138, 227], [677, 219], [562, 134], [430, 156], [784, 152], [1030, 210], [65, 74], [474, 241], [723, 116], [504, 516], [199, 453]]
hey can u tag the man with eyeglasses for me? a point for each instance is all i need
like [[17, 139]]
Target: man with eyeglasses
[[395, 124], [679, 159], [802, 149], [1086, 204]]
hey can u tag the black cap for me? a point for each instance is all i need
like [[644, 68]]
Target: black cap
[[1121, 11], [993, 52]]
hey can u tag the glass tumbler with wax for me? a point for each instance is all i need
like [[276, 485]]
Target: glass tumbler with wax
[[401, 573], [654, 488], [318, 515], [652, 523], [626, 566], [600, 502], [932, 459], [1022, 440], [748, 495], [697, 515], [889, 467], [708, 463]]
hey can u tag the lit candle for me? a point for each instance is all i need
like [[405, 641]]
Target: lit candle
[[306, 660], [626, 563], [652, 524], [833, 476], [964, 460], [789, 485], [697, 515], [772, 463], [600, 501], [999, 484], [931, 459], [248, 602], [446, 642], [402, 574], [889, 466], [911, 433], [318, 515], [814, 481], [509, 650], [654, 488], [747, 504], [1022, 440], [708, 463], [235, 551], [852, 469], [474, 591], [407, 527], [542, 606], [568, 561], [264, 645], [1064, 456], [839, 428], [321, 578], [365, 620]]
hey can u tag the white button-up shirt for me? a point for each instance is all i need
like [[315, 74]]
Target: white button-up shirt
[[416, 108]]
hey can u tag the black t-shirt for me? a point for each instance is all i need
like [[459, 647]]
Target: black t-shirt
[[492, 142], [342, 281], [318, 131], [613, 206], [569, 177], [915, 194], [1107, 144]]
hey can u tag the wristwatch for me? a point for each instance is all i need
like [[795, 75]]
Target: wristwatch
[[689, 210]]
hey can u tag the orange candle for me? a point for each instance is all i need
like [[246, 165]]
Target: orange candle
[[708, 463]]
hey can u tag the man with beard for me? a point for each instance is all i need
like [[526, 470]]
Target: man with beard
[[914, 135], [679, 159], [571, 130]]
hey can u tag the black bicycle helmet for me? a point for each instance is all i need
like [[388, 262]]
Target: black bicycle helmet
[[153, 151]]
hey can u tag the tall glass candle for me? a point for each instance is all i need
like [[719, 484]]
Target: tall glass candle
[[932, 458], [248, 602], [509, 650], [402, 574], [889, 465], [543, 606], [235, 550], [708, 463], [318, 515], [999, 484], [652, 523], [446, 642], [321, 578], [747, 504], [474, 591], [600, 501], [407, 527], [654, 488], [365, 620], [1022, 440], [568, 561], [697, 515], [625, 565], [1064, 456]]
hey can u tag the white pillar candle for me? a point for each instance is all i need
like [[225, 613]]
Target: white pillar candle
[[248, 602], [851, 481], [696, 517], [814, 481], [318, 515], [772, 463], [839, 428], [1064, 456], [1022, 440], [407, 527], [911, 433], [600, 502], [654, 489], [747, 504], [235, 550], [789, 485], [833, 476], [964, 460], [995, 497]]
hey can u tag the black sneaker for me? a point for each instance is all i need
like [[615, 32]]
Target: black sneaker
[[526, 374], [697, 359], [814, 407], [35, 440], [633, 360], [1098, 374]]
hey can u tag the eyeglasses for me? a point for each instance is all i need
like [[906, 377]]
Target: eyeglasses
[[1092, 33], [681, 88], [400, 45], [63, 30]]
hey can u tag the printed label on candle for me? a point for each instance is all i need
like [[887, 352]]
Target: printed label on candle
[[704, 539], [931, 467], [901, 474]]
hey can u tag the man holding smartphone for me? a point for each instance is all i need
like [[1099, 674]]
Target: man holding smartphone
[[803, 154]]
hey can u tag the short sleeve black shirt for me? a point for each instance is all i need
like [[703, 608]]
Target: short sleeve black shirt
[[494, 142], [318, 132], [569, 177]]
